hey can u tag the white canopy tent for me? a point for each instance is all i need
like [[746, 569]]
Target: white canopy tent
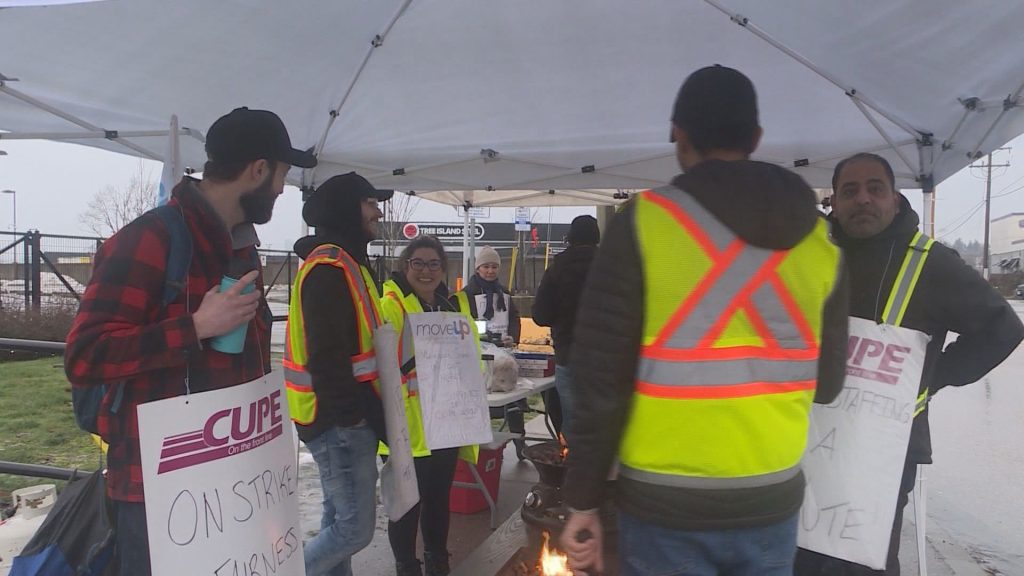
[[432, 95], [535, 198]]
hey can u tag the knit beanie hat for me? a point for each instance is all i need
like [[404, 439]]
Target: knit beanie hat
[[487, 255], [584, 231]]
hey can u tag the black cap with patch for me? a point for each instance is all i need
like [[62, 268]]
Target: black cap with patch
[[245, 135]]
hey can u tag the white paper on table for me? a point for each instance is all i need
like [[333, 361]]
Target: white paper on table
[[398, 486]]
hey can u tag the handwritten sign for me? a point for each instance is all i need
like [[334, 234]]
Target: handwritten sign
[[857, 446], [451, 386], [220, 477], [398, 486]]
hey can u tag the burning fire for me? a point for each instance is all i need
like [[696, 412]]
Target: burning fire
[[564, 452], [552, 562]]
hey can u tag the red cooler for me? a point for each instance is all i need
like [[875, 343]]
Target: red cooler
[[470, 500]]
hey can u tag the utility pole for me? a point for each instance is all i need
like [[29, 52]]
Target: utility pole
[[988, 165]]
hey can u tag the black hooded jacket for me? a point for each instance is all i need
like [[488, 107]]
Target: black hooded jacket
[[558, 297], [332, 335], [766, 206], [949, 297]]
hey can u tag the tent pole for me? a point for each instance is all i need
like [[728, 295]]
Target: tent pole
[[1010, 103], [885, 135], [472, 244], [465, 244], [745, 23], [926, 157], [376, 42], [90, 135], [112, 135]]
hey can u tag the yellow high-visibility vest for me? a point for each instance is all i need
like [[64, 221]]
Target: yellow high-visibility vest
[[302, 402], [396, 307], [729, 358]]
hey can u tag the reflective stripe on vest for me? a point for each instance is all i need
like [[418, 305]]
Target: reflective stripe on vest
[[742, 277], [903, 290], [406, 350], [906, 280], [734, 361], [298, 382]]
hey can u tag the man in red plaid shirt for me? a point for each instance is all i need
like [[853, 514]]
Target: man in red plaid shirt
[[124, 333]]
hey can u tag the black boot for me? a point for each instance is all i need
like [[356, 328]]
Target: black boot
[[413, 569], [436, 564]]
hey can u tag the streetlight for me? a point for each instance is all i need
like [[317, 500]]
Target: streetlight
[[14, 204]]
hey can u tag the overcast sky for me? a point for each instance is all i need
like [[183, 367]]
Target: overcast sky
[[55, 181]]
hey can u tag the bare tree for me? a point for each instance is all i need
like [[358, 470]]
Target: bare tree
[[396, 211], [116, 205]]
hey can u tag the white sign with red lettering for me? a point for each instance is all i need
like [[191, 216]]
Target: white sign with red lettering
[[220, 475], [857, 446]]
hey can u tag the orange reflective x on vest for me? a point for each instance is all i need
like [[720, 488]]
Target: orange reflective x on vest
[[729, 357]]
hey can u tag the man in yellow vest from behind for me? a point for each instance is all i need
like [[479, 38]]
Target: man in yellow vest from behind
[[331, 369], [714, 314]]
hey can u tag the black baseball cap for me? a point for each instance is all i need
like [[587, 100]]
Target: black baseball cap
[[245, 135], [337, 199], [715, 102]]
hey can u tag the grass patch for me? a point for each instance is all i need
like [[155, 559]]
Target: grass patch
[[37, 425]]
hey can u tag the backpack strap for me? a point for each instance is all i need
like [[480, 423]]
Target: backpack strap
[[179, 257]]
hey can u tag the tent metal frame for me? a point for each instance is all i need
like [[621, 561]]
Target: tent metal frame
[[922, 171]]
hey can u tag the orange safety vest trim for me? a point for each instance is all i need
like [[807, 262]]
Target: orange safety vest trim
[[298, 382], [723, 291]]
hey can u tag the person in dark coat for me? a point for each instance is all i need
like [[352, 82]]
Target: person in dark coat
[[557, 299], [874, 224], [489, 300]]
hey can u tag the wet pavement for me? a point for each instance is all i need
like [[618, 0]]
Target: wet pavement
[[974, 486]]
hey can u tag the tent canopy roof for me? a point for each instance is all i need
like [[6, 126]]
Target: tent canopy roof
[[531, 95]]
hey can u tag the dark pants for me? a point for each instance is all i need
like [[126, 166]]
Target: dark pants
[[434, 474], [553, 406], [132, 538], [813, 564]]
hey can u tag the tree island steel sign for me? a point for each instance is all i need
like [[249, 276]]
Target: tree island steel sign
[[495, 233], [442, 230]]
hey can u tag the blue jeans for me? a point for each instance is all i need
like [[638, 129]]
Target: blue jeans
[[132, 537], [348, 475], [563, 383], [649, 550]]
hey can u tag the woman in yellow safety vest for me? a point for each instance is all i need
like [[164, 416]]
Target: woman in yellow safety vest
[[418, 286]]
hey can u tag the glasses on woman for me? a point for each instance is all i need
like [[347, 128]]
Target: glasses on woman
[[420, 265]]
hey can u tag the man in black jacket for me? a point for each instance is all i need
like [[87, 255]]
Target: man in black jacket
[[557, 299], [348, 417], [717, 522], [874, 225]]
